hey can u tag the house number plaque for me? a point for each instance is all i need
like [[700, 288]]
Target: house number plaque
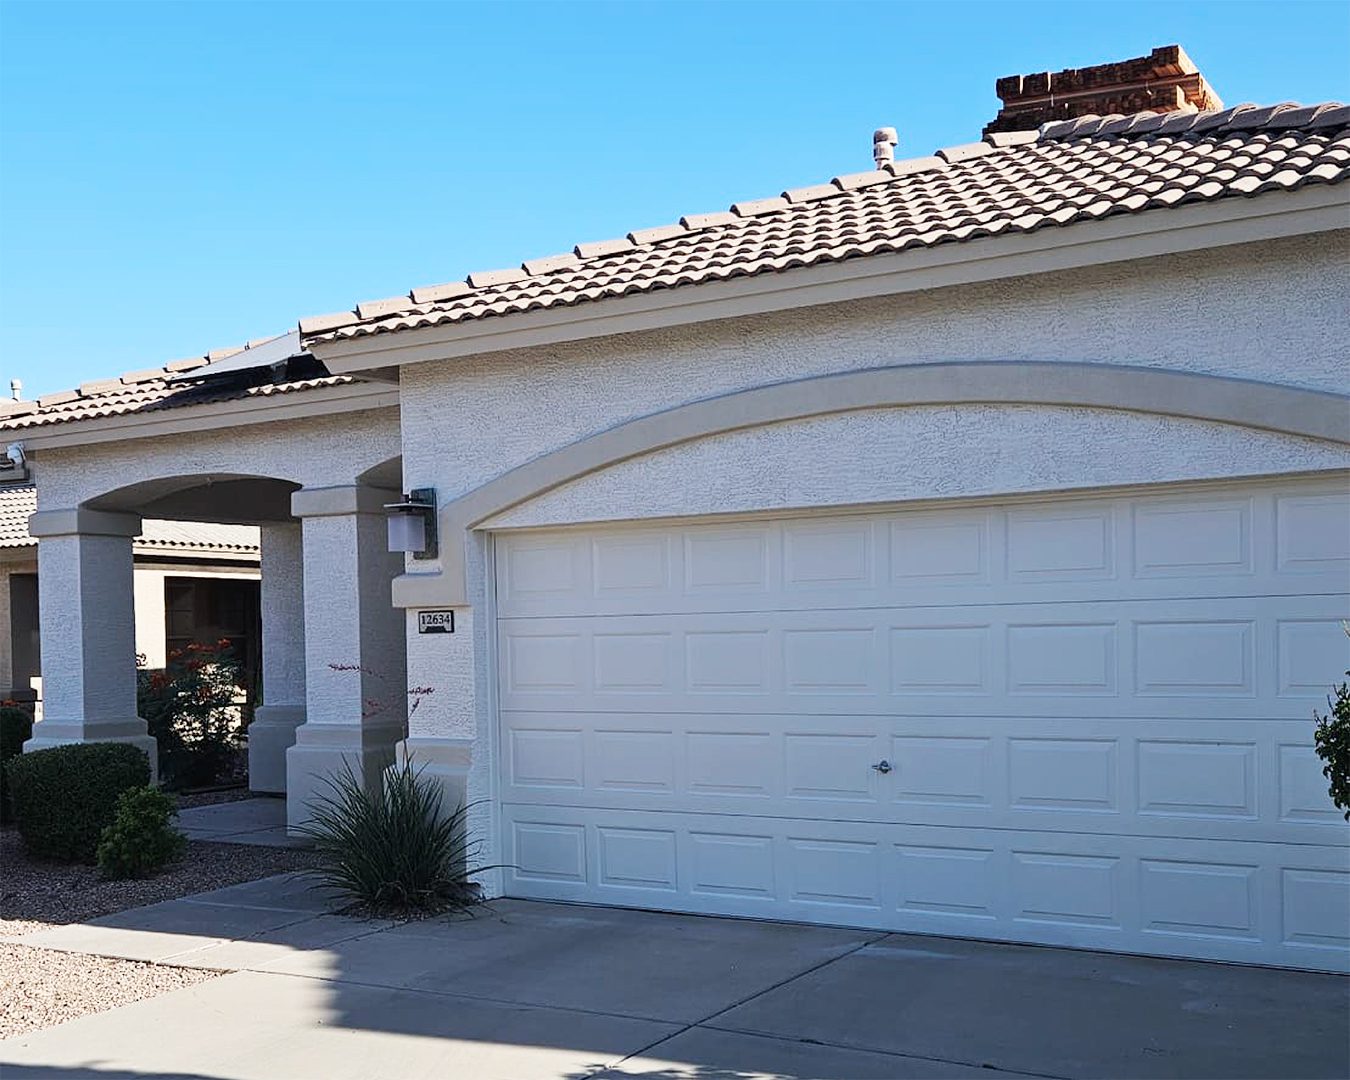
[[436, 622]]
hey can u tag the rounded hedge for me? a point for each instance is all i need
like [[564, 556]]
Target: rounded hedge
[[64, 797]]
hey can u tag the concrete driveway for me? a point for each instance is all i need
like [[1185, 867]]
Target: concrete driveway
[[532, 990]]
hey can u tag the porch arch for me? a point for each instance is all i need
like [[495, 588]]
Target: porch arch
[[1245, 403]]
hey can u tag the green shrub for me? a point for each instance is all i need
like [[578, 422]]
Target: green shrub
[[141, 837], [392, 850], [1332, 739], [66, 796], [16, 728], [191, 708]]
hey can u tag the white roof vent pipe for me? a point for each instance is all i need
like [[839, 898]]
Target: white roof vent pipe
[[16, 389], [883, 146]]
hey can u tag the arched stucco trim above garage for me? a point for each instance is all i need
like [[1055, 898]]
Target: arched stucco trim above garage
[[1245, 403]]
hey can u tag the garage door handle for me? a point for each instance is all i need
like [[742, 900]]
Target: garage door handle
[[882, 766]]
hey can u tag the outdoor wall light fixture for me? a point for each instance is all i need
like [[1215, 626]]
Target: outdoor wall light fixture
[[412, 523]]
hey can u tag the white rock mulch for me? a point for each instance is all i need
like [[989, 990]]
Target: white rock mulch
[[40, 988]]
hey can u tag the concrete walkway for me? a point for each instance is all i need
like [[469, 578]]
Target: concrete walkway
[[258, 821], [527, 991]]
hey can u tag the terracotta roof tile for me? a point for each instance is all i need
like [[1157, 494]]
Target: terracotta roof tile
[[19, 501], [1087, 168]]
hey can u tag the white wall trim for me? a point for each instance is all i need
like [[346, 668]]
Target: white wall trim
[[341, 500], [1245, 403], [1317, 208], [82, 521]]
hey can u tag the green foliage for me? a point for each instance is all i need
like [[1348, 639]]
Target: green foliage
[[191, 708], [66, 796], [16, 728], [1332, 739], [141, 837], [392, 850]]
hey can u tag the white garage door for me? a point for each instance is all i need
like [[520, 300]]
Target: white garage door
[[1081, 722]]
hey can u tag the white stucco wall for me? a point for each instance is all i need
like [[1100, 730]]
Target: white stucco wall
[[315, 452], [925, 452], [1271, 312]]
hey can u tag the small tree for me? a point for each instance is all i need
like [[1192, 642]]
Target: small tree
[[1332, 739], [191, 707]]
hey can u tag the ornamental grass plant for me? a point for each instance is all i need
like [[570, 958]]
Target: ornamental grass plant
[[391, 848]]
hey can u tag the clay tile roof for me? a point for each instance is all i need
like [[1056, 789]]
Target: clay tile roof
[[1075, 170], [157, 389], [19, 501]]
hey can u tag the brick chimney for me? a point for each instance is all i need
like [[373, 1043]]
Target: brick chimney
[[1163, 81]]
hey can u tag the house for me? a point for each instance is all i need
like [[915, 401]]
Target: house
[[193, 582], [957, 546]]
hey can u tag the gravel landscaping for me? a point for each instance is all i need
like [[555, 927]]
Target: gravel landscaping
[[36, 894], [40, 987]]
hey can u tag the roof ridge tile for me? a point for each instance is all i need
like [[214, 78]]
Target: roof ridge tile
[[373, 309], [482, 279], [708, 221], [549, 263], [654, 235], [435, 294], [913, 166], [336, 320], [963, 152], [812, 193], [758, 207], [597, 249]]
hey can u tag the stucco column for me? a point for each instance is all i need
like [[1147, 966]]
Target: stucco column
[[272, 731], [88, 625], [355, 654]]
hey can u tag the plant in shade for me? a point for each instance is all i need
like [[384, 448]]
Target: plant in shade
[[1332, 740], [191, 707], [64, 797], [141, 837], [393, 849], [16, 728]]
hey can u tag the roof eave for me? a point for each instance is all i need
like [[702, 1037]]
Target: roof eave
[[317, 401], [1311, 209]]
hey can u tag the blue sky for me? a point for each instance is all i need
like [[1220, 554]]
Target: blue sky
[[178, 177]]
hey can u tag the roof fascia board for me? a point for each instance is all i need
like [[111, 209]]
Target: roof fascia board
[[321, 401], [1317, 208]]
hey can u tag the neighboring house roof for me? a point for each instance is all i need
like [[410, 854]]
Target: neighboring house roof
[[170, 537], [1071, 171], [164, 388]]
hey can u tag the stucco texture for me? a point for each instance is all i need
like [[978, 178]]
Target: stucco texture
[[925, 452], [1271, 312], [316, 452]]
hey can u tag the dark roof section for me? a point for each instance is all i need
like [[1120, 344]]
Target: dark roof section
[[225, 375]]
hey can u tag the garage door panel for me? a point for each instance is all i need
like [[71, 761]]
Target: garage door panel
[[1230, 657], [1250, 780], [1144, 548], [1229, 900], [1080, 721]]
